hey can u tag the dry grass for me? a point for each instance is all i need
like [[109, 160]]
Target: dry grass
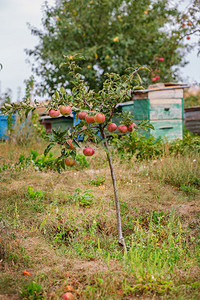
[[62, 243]]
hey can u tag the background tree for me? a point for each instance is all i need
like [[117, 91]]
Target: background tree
[[111, 35]]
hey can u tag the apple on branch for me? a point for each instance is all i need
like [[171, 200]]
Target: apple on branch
[[65, 110], [54, 113], [130, 127], [69, 161], [88, 151], [99, 118], [111, 127], [90, 119], [122, 129], [82, 115]]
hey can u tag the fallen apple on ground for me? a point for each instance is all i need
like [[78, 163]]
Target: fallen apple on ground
[[68, 296]]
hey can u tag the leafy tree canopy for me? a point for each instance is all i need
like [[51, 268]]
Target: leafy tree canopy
[[111, 35]]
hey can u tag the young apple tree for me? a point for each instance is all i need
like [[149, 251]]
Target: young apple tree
[[95, 112]]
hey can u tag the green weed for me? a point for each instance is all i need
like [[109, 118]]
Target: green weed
[[99, 180], [32, 291], [34, 199], [83, 198]]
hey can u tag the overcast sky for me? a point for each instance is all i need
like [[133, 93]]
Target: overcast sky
[[15, 37]]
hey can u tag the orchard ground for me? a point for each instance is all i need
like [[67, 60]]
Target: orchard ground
[[61, 229]]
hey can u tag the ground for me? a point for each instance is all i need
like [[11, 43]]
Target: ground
[[61, 229]]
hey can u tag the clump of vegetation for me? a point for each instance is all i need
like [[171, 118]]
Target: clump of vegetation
[[135, 144], [74, 232], [183, 173], [41, 162], [83, 198], [99, 180], [32, 291], [189, 144], [192, 98]]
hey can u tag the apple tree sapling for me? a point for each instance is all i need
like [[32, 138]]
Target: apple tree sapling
[[95, 112]]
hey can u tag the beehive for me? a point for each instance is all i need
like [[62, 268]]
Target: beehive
[[4, 125], [162, 106]]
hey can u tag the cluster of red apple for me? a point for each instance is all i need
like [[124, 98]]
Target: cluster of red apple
[[183, 25], [155, 78], [64, 110], [159, 58], [98, 118]]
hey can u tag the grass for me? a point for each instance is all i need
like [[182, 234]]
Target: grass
[[62, 230]]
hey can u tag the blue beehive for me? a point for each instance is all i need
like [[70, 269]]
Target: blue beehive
[[4, 126]]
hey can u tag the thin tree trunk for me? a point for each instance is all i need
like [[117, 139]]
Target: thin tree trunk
[[119, 223]]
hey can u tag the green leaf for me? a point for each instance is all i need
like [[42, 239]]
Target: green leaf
[[63, 164], [75, 143], [139, 78], [48, 148], [62, 91], [104, 140], [57, 95], [85, 137]]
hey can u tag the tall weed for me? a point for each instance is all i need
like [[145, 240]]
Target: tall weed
[[178, 171]]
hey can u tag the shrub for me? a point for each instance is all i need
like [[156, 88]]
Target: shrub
[[138, 145], [190, 143], [151, 148]]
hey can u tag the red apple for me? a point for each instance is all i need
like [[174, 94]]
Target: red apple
[[65, 110], [112, 127], [161, 59], [90, 119], [88, 151], [188, 37], [68, 296], [53, 113], [69, 161], [99, 118], [130, 127], [154, 79], [70, 145], [182, 25], [82, 115], [157, 77], [122, 128]]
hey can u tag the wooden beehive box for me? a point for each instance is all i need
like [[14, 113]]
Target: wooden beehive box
[[192, 119], [162, 105]]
